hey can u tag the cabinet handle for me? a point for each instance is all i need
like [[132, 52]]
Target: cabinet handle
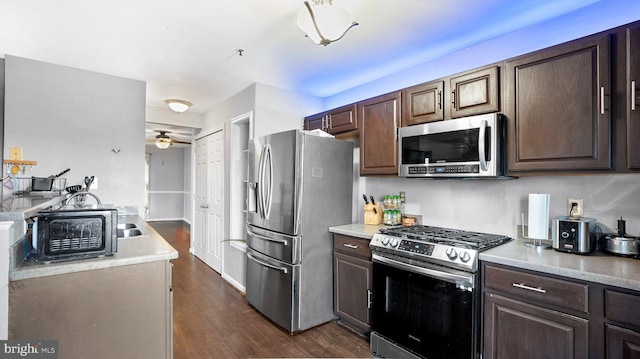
[[524, 286], [453, 96], [329, 124], [633, 95], [602, 100], [368, 298], [440, 100], [352, 246]]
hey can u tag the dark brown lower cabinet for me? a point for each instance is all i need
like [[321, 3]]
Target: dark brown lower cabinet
[[515, 329], [622, 343], [530, 314], [352, 282]]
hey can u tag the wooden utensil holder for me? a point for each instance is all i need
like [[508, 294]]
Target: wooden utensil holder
[[372, 214]]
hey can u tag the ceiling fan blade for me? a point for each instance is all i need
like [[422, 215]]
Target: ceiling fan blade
[[183, 142]]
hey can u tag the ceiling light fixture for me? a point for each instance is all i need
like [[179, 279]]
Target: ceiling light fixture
[[163, 141], [178, 106], [324, 23]]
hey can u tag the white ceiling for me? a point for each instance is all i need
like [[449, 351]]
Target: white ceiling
[[187, 49]]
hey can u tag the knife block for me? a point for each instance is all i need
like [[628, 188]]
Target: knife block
[[370, 216]]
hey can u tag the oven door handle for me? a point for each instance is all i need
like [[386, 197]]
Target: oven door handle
[[461, 279]]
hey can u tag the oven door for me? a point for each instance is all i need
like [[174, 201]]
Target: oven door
[[430, 310]]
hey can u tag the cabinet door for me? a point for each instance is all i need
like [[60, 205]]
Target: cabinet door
[[315, 122], [352, 283], [342, 119], [378, 122], [622, 343], [633, 84], [557, 108], [423, 103], [475, 93], [514, 329]]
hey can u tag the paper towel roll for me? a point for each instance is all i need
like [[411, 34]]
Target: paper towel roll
[[539, 215]]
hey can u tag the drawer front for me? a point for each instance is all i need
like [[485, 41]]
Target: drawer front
[[622, 308], [351, 245], [556, 292]]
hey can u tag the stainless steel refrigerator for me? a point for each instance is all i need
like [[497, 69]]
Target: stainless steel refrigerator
[[299, 186]]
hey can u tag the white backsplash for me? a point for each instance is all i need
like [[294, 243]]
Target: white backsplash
[[495, 206]]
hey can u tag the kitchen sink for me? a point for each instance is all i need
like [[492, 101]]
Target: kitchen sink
[[127, 230]]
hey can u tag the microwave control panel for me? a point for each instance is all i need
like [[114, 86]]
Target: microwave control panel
[[423, 170]]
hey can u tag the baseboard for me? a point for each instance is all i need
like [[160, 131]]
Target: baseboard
[[234, 283]]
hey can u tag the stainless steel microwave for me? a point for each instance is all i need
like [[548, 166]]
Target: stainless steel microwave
[[468, 147]]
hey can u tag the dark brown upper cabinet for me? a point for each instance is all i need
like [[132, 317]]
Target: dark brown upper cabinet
[[632, 84], [423, 103], [342, 119], [475, 92], [338, 120], [315, 122], [557, 106], [378, 122]]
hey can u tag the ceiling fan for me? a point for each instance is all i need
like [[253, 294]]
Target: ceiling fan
[[163, 141]]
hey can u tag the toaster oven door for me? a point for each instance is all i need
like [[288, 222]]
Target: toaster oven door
[[76, 234]]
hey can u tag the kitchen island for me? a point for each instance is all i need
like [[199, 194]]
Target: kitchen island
[[107, 307]]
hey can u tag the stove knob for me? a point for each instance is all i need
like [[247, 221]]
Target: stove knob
[[394, 242], [451, 253], [385, 240], [465, 257]]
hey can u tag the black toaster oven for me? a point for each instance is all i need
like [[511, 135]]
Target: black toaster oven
[[77, 233]]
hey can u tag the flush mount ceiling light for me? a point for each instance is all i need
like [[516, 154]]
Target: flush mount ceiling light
[[324, 23], [178, 106]]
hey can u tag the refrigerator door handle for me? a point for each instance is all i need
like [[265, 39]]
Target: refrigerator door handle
[[269, 194], [260, 184], [282, 269], [283, 241]]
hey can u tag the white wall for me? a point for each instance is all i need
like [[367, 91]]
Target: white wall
[[167, 192], [274, 110], [70, 118]]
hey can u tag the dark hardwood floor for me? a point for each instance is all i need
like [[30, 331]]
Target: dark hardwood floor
[[213, 320]]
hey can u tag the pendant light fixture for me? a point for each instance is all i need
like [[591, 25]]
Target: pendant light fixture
[[324, 23], [178, 106]]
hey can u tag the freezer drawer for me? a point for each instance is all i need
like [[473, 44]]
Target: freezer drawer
[[279, 246], [273, 289]]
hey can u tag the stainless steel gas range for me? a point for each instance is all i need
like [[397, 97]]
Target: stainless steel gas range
[[426, 297]]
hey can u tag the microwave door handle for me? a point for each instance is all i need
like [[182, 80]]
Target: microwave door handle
[[482, 146]]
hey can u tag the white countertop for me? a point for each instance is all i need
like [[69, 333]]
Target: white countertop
[[595, 267], [359, 230], [133, 250]]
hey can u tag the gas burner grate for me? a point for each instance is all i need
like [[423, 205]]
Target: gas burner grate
[[452, 237]]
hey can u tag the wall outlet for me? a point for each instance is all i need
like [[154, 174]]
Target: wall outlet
[[575, 207], [402, 198]]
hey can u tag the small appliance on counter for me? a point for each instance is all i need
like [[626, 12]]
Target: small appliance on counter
[[77, 233], [620, 243], [574, 235]]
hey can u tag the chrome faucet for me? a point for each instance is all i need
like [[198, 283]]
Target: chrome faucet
[[80, 201]]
